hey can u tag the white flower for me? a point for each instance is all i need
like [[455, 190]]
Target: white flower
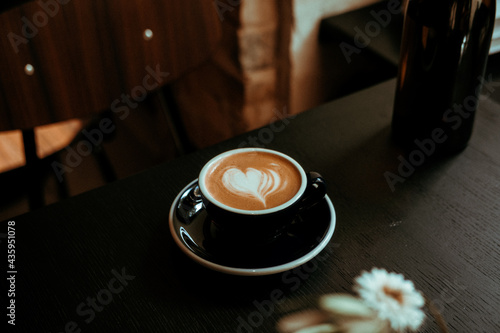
[[392, 297]]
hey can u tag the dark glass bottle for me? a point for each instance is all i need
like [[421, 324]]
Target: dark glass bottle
[[444, 52]]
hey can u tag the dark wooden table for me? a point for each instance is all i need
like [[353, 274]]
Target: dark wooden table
[[440, 228]]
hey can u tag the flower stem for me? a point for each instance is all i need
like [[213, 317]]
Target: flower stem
[[443, 327]]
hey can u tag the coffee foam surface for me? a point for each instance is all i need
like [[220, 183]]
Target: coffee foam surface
[[253, 180]]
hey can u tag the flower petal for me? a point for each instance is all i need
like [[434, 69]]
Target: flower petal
[[367, 326], [325, 328], [344, 305], [298, 320]]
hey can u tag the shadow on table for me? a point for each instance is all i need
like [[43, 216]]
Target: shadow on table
[[377, 170]]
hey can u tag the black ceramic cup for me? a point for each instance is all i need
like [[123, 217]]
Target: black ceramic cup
[[259, 226]]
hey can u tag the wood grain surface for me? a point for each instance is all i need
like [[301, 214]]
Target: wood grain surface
[[87, 54], [440, 228]]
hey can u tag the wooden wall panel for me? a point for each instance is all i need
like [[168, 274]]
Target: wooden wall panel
[[20, 95], [183, 32], [87, 53]]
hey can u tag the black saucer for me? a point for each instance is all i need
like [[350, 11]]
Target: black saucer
[[306, 236]]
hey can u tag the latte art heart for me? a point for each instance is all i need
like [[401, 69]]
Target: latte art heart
[[252, 180], [254, 183]]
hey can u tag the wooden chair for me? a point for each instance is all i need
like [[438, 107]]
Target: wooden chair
[[63, 59]]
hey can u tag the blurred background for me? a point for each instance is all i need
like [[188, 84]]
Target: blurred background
[[98, 90]]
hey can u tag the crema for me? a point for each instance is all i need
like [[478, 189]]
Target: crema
[[253, 180]]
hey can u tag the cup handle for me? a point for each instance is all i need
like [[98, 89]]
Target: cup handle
[[315, 190], [190, 204]]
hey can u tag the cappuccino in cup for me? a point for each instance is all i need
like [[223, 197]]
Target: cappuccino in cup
[[252, 194], [253, 180]]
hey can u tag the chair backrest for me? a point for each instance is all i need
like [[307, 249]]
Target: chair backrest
[[62, 59]]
